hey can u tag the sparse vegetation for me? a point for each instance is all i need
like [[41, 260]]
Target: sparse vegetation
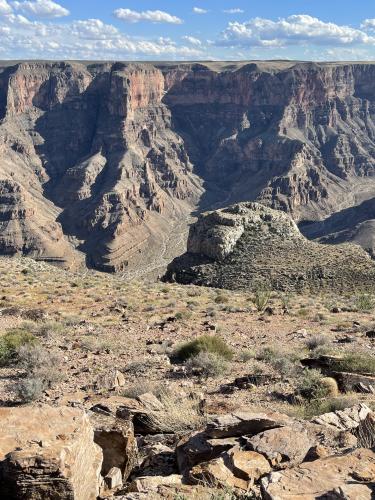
[[207, 364], [364, 302], [355, 363], [178, 415], [316, 341], [11, 342], [310, 385], [206, 343], [42, 367]]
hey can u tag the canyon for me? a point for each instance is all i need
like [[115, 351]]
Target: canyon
[[106, 164]]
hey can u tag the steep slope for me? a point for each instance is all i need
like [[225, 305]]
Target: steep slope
[[250, 246], [103, 165]]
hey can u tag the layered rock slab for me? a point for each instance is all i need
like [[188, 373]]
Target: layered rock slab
[[48, 452]]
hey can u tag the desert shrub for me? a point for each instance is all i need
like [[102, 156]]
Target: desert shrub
[[50, 328], [11, 342], [221, 299], [267, 354], [285, 366], [43, 369], [141, 387], [261, 299], [207, 364], [354, 363], [364, 302], [178, 415], [316, 341], [205, 343], [246, 355], [29, 389], [310, 385], [183, 315]]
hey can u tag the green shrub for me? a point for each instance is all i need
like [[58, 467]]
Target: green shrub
[[11, 342], [310, 385], [205, 343], [261, 299], [207, 364]]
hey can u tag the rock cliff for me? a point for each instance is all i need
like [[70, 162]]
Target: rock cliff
[[105, 162], [250, 246]]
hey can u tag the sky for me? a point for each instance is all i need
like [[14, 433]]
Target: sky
[[187, 29]]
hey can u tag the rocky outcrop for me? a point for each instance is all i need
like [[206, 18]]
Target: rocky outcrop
[[48, 453], [250, 246], [105, 162], [349, 476]]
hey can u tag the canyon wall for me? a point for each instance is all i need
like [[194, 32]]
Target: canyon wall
[[104, 163]]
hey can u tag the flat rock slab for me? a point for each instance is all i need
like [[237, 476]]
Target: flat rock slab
[[242, 423], [48, 452], [352, 474]]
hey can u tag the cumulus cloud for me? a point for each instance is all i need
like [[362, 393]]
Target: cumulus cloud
[[41, 8], [83, 39], [368, 24], [233, 11], [293, 30], [153, 16], [5, 8], [198, 10], [192, 40]]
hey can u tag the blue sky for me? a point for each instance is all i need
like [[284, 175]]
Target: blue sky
[[188, 30]]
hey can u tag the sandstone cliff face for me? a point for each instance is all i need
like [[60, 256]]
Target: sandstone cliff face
[[104, 163], [250, 246]]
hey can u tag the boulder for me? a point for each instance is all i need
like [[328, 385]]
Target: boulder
[[242, 423], [352, 474], [217, 475], [247, 465], [198, 447], [114, 478], [283, 447], [116, 439], [149, 484], [48, 453]]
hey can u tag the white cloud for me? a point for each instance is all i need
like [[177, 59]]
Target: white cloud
[[154, 16], [233, 11], [198, 10], [41, 8], [192, 40], [83, 39], [5, 8], [293, 30], [368, 24]]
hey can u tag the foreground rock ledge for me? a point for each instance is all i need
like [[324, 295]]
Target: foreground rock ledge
[[48, 453]]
